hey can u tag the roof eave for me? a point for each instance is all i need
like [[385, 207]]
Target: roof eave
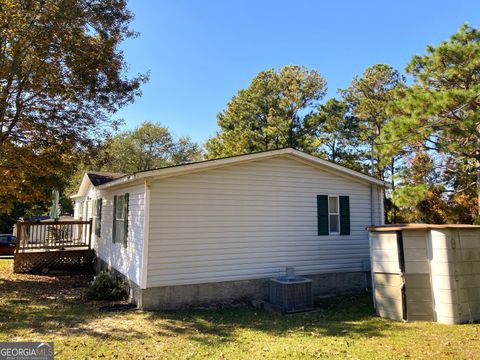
[[340, 168], [193, 167], [76, 196]]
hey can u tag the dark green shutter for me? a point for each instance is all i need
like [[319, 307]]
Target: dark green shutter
[[114, 226], [322, 214], [99, 216], [125, 219], [344, 215]]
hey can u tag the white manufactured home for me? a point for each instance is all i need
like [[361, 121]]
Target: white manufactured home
[[217, 230]]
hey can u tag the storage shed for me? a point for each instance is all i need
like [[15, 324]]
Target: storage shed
[[424, 272]]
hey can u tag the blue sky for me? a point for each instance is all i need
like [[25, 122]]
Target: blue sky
[[200, 53]]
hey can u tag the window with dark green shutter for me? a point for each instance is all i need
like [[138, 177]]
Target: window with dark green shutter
[[333, 215], [114, 212], [120, 219], [97, 215], [344, 215], [125, 219], [322, 214]]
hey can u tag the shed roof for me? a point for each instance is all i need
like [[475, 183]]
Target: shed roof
[[397, 227]]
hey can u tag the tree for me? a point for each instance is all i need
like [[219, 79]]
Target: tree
[[369, 98], [440, 111], [333, 132], [149, 146], [462, 193], [61, 77], [268, 114], [421, 196]]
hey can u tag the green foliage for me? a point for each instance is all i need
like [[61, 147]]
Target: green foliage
[[333, 133], [369, 98], [106, 286], [268, 114], [440, 111], [62, 75], [421, 196], [24, 210], [463, 205], [148, 146], [408, 196]]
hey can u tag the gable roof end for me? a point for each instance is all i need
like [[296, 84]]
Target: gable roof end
[[95, 178], [100, 178]]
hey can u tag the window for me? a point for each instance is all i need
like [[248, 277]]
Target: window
[[97, 216], [85, 210], [120, 219], [80, 210], [333, 215]]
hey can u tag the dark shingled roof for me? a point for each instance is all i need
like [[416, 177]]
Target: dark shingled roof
[[99, 178]]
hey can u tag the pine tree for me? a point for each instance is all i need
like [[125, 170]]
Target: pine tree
[[269, 113], [440, 112], [369, 98]]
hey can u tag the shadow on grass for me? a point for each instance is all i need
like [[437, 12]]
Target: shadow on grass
[[55, 305], [342, 316]]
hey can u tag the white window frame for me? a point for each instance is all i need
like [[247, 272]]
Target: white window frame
[[80, 209], [334, 214], [119, 220], [85, 210]]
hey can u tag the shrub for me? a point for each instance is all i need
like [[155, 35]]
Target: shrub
[[106, 286]]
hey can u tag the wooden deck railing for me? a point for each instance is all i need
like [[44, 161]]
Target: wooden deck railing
[[53, 235]]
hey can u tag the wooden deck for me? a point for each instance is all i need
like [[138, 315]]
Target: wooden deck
[[45, 246]]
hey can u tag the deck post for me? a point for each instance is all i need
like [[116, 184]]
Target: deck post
[[90, 233], [18, 236]]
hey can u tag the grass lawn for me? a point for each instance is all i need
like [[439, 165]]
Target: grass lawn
[[42, 308]]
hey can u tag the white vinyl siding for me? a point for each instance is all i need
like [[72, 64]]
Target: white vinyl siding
[[127, 260], [251, 220]]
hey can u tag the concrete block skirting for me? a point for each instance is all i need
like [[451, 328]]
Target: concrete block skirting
[[228, 292], [195, 295]]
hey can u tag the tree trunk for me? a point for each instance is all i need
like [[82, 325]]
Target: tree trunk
[[372, 160], [290, 136]]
